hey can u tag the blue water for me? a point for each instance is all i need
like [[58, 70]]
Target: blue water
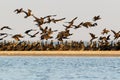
[[59, 68]]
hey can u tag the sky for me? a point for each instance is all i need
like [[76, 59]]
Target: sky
[[85, 10]]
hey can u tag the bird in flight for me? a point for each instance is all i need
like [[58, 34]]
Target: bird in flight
[[49, 19], [34, 35], [5, 27], [116, 34], [28, 13], [46, 36], [77, 26], [92, 36], [4, 35], [105, 31], [17, 37], [89, 24], [105, 38], [95, 18], [70, 23], [40, 21], [57, 20], [18, 10], [27, 31]]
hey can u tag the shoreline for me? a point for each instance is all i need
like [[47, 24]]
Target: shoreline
[[62, 53]]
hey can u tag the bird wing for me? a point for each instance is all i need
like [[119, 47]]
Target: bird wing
[[16, 38], [59, 19], [113, 31], [15, 10], [36, 33], [25, 12], [7, 27], [92, 35], [3, 34], [108, 37], [27, 31], [75, 18]]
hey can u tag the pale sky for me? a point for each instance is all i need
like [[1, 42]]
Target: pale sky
[[85, 10]]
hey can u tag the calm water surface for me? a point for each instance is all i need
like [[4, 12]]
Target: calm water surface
[[59, 68]]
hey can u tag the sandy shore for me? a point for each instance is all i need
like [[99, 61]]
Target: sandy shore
[[60, 53]]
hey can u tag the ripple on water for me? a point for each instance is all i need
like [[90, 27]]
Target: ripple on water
[[59, 68]]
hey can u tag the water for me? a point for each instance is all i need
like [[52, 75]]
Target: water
[[59, 68]]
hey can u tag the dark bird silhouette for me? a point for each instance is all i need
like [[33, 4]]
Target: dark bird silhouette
[[49, 16], [50, 31], [44, 30], [63, 35], [95, 18], [5, 27], [66, 33], [3, 37], [46, 36], [105, 31], [27, 31], [34, 35], [67, 27], [60, 36], [88, 24], [77, 26], [57, 20], [49, 19], [70, 23], [92, 36], [1, 34], [116, 34], [40, 21], [17, 36], [28, 13], [94, 24], [105, 38], [18, 10]]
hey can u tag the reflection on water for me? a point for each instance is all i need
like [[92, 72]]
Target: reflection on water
[[59, 68]]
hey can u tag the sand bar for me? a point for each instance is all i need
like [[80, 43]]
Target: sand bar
[[61, 53]]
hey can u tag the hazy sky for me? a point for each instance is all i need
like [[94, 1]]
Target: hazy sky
[[84, 9]]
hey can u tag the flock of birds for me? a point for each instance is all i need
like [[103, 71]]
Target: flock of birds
[[46, 32]]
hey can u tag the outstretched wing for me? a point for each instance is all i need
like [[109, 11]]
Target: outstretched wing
[[113, 31], [92, 35]]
